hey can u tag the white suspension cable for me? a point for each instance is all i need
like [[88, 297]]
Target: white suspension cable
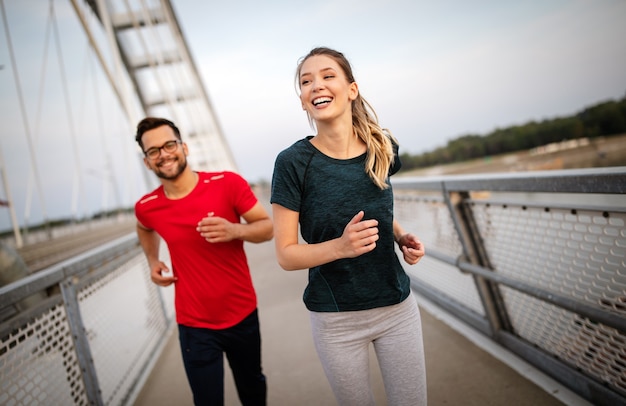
[[33, 156], [117, 82], [80, 193], [82, 116], [19, 243], [44, 65], [135, 116], [109, 176]]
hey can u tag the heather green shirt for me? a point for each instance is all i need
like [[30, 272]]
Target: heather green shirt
[[327, 193]]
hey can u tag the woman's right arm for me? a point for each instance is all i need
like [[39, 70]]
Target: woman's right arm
[[359, 237]]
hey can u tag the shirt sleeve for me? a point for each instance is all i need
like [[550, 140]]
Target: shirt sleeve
[[244, 197], [286, 183], [397, 163]]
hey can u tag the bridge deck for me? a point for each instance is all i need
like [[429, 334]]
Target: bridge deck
[[462, 367]]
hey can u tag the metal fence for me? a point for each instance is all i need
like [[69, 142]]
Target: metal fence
[[86, 330], [536, 261]]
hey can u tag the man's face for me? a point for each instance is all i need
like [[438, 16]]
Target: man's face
[[170, 162]]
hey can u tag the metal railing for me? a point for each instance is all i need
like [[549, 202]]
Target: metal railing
[[535, 261], [91, 329]]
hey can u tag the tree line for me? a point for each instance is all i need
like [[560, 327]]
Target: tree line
[[603, 119]]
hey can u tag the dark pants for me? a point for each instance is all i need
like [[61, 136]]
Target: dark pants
[[203, 356]]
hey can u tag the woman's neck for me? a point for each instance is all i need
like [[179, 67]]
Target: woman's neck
[[338, 141]]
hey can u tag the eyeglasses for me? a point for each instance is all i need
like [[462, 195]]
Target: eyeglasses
[[170, 146]]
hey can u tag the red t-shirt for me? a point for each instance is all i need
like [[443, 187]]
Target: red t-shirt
[[214, 288]]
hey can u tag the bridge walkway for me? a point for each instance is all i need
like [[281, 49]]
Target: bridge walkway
[[463, 367]]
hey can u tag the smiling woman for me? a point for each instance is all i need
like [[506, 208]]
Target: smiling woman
[[334, 190]]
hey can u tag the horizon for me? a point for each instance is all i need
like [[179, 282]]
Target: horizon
[[433, 72]]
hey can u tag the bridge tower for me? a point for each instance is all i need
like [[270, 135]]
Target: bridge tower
[[153, 74]]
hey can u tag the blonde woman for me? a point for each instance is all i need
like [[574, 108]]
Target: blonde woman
[[334, 189]]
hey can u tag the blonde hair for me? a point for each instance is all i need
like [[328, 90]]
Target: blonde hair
[[379, 141]]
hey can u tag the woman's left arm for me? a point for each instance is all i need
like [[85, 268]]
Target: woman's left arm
[[412, 248]]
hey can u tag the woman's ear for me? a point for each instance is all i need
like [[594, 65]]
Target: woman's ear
[[353, 91], [301, 101]]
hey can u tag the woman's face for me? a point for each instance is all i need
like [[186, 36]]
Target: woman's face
[[325, 93]]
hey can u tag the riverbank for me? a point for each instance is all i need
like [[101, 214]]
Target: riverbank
[[595, 153]]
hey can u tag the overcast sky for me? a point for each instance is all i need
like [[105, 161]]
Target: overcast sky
[[433, 70]]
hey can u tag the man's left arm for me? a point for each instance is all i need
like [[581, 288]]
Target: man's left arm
[[257, 227]]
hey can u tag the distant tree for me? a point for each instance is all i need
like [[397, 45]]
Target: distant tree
[[604, 119], [607, 118]]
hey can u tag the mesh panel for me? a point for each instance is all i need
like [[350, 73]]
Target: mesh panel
[[581, 254], [598, 350], [123, 325], [577, 253], [428, 217], [448, 281], [38, 364], [123, 321]]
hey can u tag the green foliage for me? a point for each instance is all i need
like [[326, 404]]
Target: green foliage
[[604, 119]]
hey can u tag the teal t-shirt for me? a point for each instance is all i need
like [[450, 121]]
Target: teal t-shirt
[[327, 193]]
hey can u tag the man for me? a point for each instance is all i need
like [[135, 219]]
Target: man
[[198, 215]]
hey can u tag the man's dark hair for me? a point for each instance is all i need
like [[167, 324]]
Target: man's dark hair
[[150, 123]]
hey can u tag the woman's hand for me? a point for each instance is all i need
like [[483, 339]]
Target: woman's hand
[[412, 248], [359, 237]]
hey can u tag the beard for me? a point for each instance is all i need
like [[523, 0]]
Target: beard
[[182, 164]]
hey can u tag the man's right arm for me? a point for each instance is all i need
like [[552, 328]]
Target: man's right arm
[[150, 242]]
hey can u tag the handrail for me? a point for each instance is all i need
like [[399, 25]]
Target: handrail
[[611, 180], [535, 260], [53, 275]]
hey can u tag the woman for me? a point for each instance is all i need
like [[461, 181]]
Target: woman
[[335, 186]]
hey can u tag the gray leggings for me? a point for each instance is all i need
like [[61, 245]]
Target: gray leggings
[[342, 341]]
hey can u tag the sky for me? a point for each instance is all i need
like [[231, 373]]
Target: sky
[[433, 71]]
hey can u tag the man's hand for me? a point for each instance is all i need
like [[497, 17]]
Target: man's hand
[[217, 229], [161, 274]]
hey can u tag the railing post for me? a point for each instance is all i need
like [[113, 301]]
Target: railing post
[[81, 344], [475, 253]]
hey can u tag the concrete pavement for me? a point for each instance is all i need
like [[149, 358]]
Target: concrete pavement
[[462, 369]]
